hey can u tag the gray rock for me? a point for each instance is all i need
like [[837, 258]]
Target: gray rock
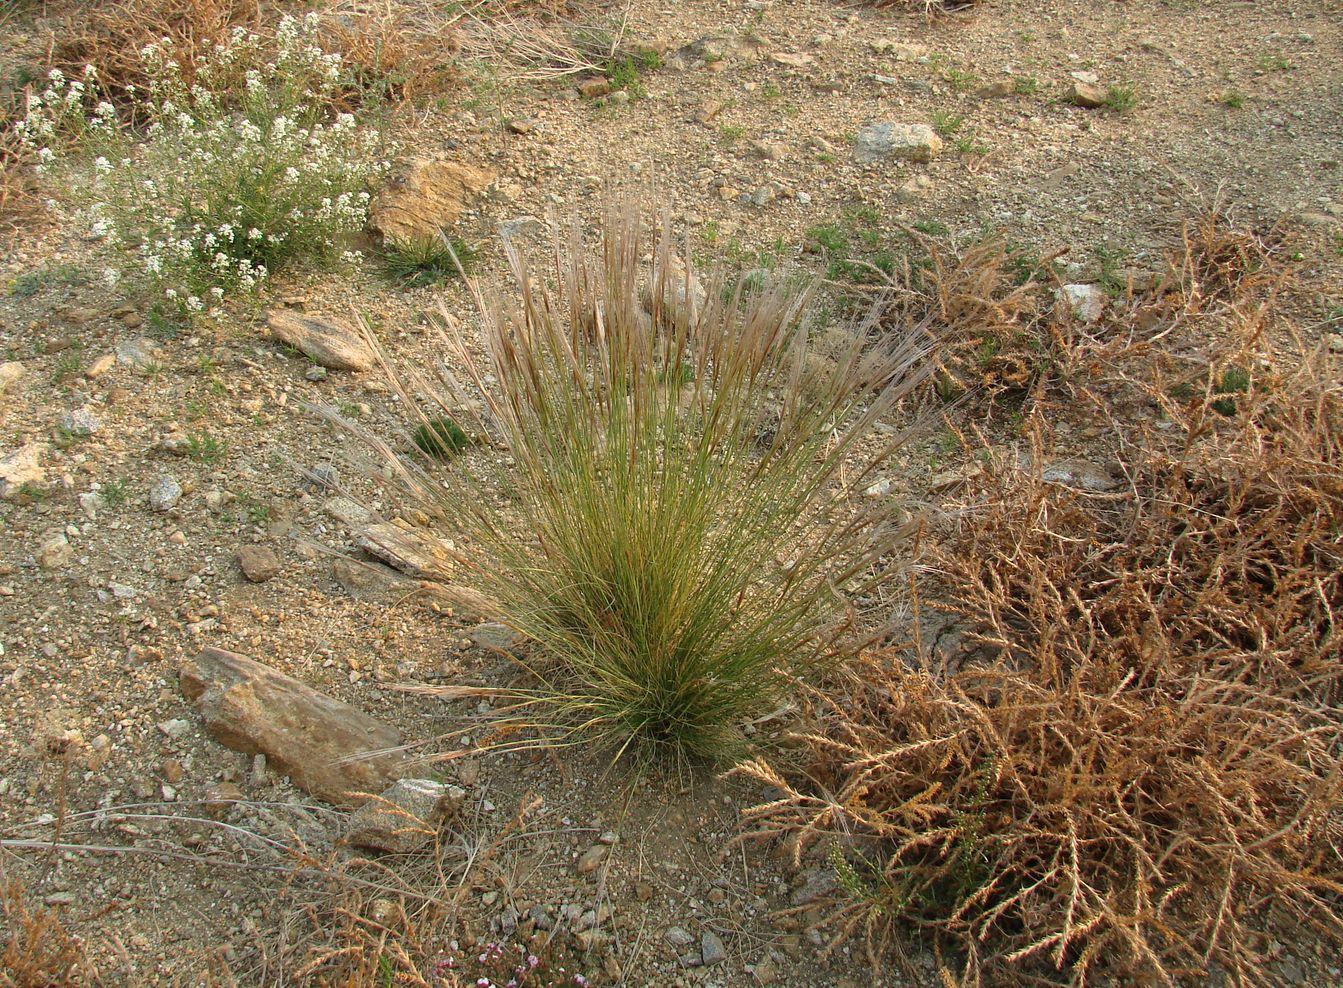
[[370, 581], [21, 469], [315, 372], [903, 142], [1086, 301], [677, 936], [1081, 474], [165, 493], [80, 422], [521, 228], [711, 949], [406, 817], [137, 354], [541, 918], [323, 477], [815, 882]]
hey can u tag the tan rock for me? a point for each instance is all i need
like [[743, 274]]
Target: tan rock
[[100, 366], [1086, 95], [595, 87], [10, 372], [413, 552], [19, 468], [258, 563], [330, 342], [327, 747], [424, 197]]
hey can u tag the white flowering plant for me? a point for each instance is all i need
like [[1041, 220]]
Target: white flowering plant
[[214, 185]]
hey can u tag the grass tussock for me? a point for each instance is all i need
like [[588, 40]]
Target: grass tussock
[[673, 538], [1145, 752], [38, 951]]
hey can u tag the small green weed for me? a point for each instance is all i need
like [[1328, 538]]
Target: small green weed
[[1234, 381], [66, 365], [946, 124], [428, 261], [971, 145], [1026, 85], [205, 448], [1272, 62], [732, 132], [960, 80], [114, 493], [1121, 99], [1232, 98], [28, 285]]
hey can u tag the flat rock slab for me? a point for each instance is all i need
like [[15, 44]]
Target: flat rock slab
[[413, 553], [425, 196], [329, 342], [896, 141], [327, 747], [405, 817]]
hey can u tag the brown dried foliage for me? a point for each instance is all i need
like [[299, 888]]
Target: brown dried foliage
[[392, 53], [1146, 750], [110, 37], [38, 951]]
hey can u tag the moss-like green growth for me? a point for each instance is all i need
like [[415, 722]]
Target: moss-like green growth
[[441, 438]]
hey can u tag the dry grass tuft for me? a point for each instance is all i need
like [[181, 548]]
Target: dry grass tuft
[[38, 951]]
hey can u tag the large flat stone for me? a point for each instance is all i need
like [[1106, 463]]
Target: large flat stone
[[326, 746], [330, 342]]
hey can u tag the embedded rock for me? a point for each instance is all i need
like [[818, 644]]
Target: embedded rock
[[413, 553], [21, 468], [405, 817], [258, 563], [425, 196], [902, 142], [331, 343], [327, 747]]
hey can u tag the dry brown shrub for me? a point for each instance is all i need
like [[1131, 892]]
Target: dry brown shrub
[[1003, 327], [1145, 752], [392, 52], [1154, 750], [110, 37], [18, 195], [38, 951]]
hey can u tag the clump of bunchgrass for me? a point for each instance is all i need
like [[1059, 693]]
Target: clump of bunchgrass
[[240, 172], [428, 260], [673, 538]]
